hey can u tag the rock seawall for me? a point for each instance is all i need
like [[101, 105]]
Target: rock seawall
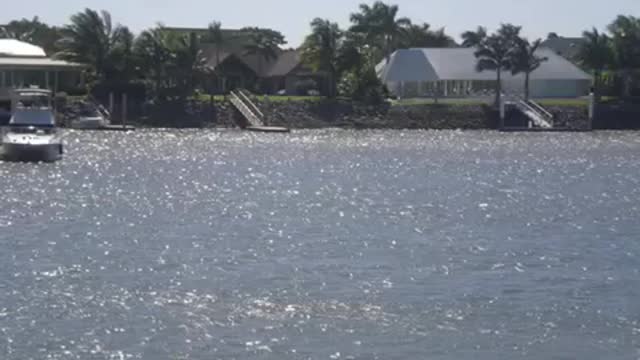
[[330, 113], [341, 114]]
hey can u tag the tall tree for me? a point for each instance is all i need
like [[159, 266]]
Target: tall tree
[[526, 61], [215, 36], [321, 50], [625, 31], [32, 31], [91, 38], [596, 54], [496, 53], [188, 62], [173, 60], [474, 38], [381, 26], [153, 49], [421, 36], [264, 44]]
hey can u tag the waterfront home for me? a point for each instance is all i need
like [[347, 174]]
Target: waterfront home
[[451, 72], [231, 67], [23, 65]]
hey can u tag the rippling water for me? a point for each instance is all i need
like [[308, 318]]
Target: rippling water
[[323, 245]]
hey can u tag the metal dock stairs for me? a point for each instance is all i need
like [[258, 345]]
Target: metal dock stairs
[[537, 117], [254, 118]]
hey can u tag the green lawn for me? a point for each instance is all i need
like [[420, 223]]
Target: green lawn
[[563, 102], [427, 101]]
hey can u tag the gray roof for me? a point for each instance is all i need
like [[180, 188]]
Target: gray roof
[[286, 61], [564, 46], [435, 64]]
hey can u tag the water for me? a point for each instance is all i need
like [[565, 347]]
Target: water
[[323, 245]]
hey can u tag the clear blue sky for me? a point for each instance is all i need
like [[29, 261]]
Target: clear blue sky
[[292, 17]]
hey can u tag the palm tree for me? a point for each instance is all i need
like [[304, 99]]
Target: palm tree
[[474, 38], [381, 26], [188, 61], [421, 36], [153, 49], [321, 50], [526, 61], [264, 44], [625, 32], [90, 39], [496, 53], [32, 31], [596, 54], [215, 37]]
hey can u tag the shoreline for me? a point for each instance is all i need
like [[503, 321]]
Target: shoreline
[[349, 115]]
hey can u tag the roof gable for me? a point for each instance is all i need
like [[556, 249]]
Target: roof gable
[[433, 64]]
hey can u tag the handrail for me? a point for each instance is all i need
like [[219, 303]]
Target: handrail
[[244, 109], [541, 109], [249, 102], [539, 120]]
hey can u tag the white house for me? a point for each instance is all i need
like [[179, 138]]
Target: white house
[[451, 72], [23, 64]]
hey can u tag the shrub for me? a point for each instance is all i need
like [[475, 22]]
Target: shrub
[[305, 86], [364, 86]]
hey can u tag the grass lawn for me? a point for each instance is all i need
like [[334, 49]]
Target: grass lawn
[[426, 101], [563, 102]]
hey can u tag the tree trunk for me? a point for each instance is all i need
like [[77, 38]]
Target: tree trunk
[[627, 78], [498, 87], [526, 86], [332, 84], [596, 85]]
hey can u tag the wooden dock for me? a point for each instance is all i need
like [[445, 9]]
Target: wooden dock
[[268, 129], [536, 129], [108, 128]]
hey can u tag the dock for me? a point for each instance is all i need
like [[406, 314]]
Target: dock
[[108, 128], [268, 129], [535, 129]]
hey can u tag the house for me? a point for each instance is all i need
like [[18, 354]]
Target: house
[[566, 47], [23, 64], [451, 72], [231, 66]]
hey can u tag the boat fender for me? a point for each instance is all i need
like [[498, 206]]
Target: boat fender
[[61, 149]]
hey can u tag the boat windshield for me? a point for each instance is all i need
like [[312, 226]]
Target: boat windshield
[[33, 117], [33, 101]]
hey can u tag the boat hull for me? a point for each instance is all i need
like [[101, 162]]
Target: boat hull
[[89, 123]]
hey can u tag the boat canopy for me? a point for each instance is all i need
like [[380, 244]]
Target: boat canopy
[[32, 107]]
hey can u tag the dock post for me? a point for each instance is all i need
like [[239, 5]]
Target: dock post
[[592, 108], [124, 111], [111, 103], [502, 110]]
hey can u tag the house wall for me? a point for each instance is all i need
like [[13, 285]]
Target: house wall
[[458, 89], [549, 88]]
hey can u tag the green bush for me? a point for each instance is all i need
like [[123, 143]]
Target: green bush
[[364, 86]]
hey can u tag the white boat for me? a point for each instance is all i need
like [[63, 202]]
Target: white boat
[[32, 134], [93, 118]]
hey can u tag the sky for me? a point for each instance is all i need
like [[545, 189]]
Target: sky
[[292, 17]]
